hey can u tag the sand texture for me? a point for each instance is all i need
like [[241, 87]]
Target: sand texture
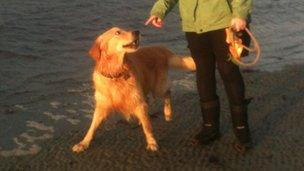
[[46, 95]]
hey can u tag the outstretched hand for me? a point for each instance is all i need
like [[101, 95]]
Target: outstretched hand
[[155, 21]]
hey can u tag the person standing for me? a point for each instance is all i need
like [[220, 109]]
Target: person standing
[[204, 23]]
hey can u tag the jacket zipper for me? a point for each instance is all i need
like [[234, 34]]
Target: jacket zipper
[[195, 10]]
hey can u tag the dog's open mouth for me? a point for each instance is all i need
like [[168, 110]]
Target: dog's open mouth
[[133, 45]]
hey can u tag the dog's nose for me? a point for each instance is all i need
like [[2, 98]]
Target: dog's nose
[[136, 33]]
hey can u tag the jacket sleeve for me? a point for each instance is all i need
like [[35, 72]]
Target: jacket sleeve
[[241, 8], [162, 7]]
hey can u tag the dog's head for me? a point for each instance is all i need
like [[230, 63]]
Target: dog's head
[[109, 49], [115, 41]]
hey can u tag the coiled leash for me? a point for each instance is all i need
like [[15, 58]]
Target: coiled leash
[[236, 47]]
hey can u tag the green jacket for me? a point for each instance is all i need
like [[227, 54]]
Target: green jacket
[[204, 15]]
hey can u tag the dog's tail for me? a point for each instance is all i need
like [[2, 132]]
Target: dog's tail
[[182, 62]]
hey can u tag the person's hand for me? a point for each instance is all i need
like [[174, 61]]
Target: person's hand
[[155, 21], [238, 24]]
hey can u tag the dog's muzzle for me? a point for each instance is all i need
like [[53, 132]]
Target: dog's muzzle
[[135, 43]]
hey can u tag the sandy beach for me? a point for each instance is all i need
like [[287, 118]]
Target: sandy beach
[[46, 94]]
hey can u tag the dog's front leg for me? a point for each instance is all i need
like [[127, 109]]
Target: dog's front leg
[[100, 114], [141, 113]]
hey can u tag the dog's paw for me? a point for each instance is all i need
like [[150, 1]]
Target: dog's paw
[[152, 147], [79, 147]]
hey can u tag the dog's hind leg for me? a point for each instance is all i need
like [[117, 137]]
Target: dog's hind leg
[[141, 113], [100, 114], [162, 89], [167, 106]]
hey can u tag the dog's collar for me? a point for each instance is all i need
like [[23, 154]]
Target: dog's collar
[[123, 74]]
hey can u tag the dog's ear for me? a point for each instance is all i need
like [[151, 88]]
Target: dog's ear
[[95, 51]]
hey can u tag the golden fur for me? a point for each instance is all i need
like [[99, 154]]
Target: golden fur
[[123, 77]]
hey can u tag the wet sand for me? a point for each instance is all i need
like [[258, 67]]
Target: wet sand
[[46, 95], [275, 117]]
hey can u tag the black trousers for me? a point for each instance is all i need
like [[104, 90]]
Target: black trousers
[[208, 51]]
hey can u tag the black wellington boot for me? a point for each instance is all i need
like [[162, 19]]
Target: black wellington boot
[[240, 127], [210, 128]]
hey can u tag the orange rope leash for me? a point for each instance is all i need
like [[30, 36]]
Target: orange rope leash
[[236, 47]]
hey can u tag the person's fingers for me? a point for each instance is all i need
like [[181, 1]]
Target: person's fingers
[[234, 24], [155, 21], [237, 27], [241, 26], [150, 20], [238, 24], [158, 20], [157, 24]]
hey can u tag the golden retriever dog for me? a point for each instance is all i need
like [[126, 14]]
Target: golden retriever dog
[[123, 77]]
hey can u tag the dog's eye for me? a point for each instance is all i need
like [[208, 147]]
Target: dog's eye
[[117, 33]]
